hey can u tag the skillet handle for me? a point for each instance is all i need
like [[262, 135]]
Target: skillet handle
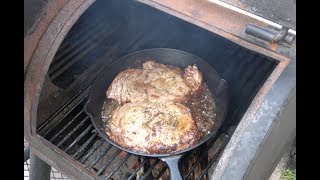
[[173, 162]]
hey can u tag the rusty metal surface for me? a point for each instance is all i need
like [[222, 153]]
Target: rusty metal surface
[[49, 11], [269, 112], [40, 47], [247, 118], [220, 20], [33, 11], [280, 11], [63, 165], [212, 18], [43, 55]]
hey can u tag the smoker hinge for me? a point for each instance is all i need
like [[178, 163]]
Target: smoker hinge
[[272, 37]]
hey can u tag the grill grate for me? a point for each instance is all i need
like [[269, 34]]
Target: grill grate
[[80, 57], [75, 135]]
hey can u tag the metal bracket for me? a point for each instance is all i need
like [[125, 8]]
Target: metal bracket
[[269, 36]]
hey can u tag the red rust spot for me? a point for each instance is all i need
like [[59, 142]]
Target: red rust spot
[[135, 165], [122, 154], [274, 46]]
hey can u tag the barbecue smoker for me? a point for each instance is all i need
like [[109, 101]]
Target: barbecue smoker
[[68, 43]]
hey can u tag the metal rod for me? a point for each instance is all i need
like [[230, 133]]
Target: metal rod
[[61, 109], [202, 156], [39, 170], [73, 130], [109, 162], [150, 169], [78, 138], [105, 151], [214, 158], [26, 153], [260, 33], [93, 136], [269, 36], [91, 152], [133, 174], [195, 164], [162, 172], [66, 126], [118, 165]]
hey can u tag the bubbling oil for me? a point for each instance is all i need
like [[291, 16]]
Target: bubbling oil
[[108, 107], [201, 105], [203, 110]]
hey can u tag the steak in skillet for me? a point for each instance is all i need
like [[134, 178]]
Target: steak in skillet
[[152, 127], [155, 82]]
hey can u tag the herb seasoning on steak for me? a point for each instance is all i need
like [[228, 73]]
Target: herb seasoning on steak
[[158, 109]]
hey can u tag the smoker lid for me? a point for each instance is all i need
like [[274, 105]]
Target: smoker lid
[[282, 12]]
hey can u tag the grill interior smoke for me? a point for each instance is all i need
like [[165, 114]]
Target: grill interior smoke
[[109, 30]]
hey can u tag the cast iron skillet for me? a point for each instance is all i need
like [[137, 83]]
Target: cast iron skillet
[[216, 85]]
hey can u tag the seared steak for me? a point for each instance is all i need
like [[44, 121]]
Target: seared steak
[[152, 127], [155, 82]]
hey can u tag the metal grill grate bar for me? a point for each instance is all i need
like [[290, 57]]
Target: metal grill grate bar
[[78, 138], [214, 158], [91, 152], [79, 151], [134, 173], [105, 35], [118, 165], [44, 134], [150, 169], [162, 172], [109, 161], [202, 156], [73, 130], [101, 156], [66, 126]]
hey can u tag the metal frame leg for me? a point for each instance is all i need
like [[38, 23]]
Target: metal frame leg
[[26, 153], [39, 170]]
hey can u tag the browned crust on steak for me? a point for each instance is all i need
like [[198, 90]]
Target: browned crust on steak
[[193, 77], [153, 128], [155, 82]]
